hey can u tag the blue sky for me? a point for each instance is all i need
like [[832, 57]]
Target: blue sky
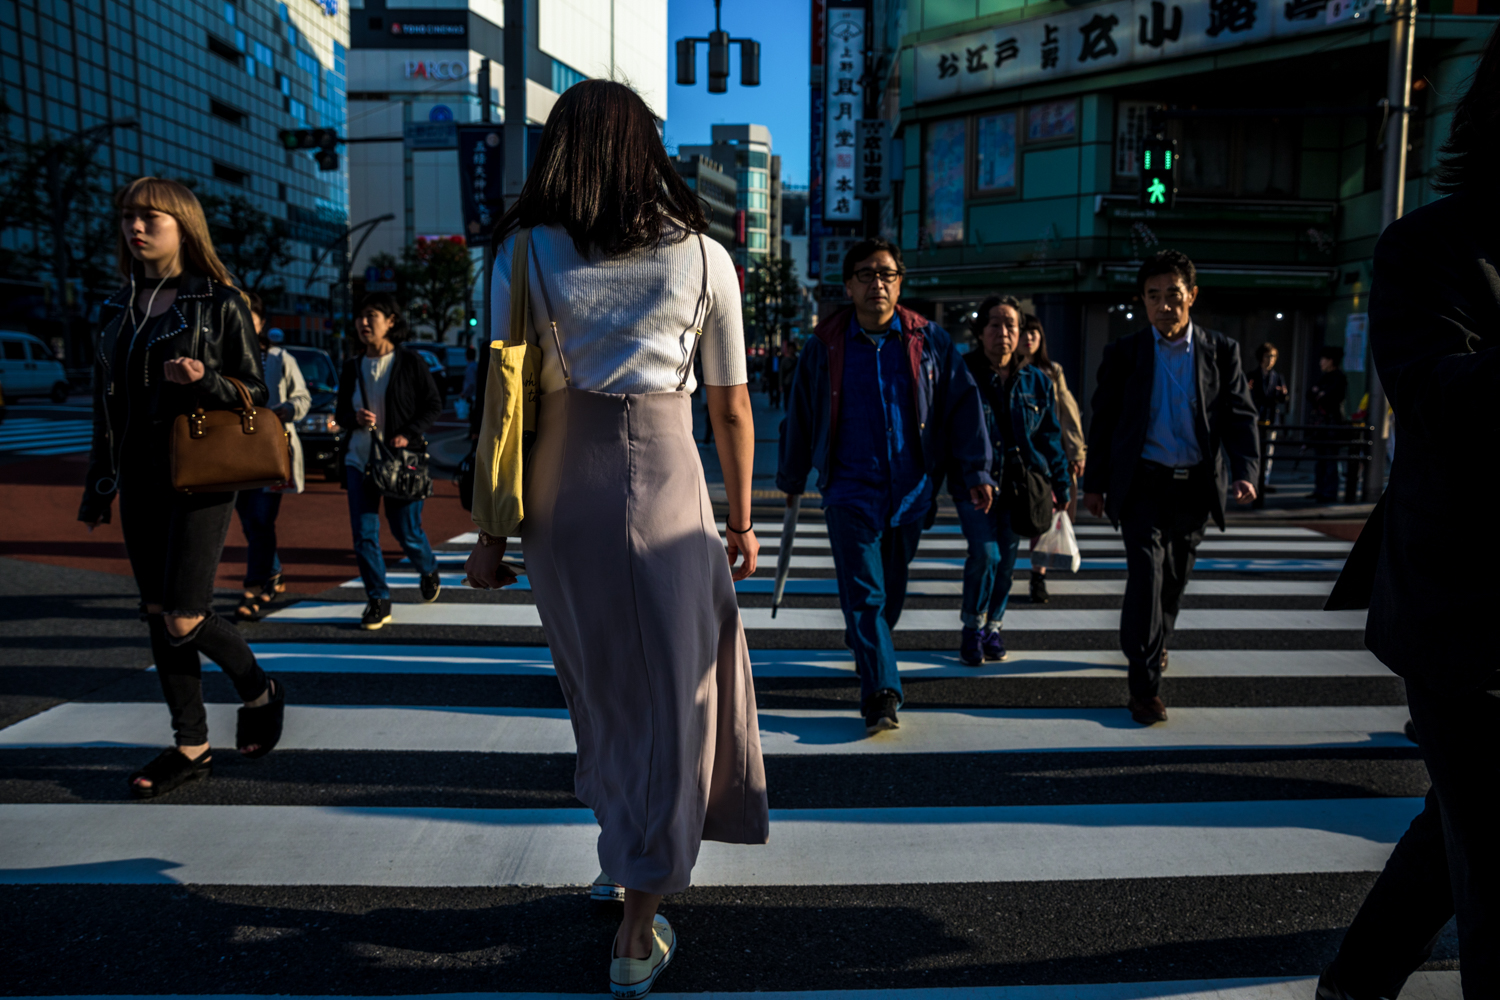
[[780, 102]]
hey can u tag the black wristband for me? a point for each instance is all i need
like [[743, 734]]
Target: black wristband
[[732, 531]]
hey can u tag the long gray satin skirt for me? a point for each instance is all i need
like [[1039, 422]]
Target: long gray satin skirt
[[637, 602]]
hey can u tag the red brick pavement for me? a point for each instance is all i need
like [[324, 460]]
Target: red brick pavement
[[39, 510]]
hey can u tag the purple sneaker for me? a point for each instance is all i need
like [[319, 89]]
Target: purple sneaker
[[970, 651], [993, 645]]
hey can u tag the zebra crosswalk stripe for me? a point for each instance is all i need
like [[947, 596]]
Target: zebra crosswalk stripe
[[433, 760]]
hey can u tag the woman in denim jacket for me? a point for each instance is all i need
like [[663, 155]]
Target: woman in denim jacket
[[1020, 413]]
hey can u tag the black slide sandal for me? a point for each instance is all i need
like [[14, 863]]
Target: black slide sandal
[[170, 769], [262, 726]]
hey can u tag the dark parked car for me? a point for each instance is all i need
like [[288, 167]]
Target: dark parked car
[[319, 432], [439, 374], [454, 360]]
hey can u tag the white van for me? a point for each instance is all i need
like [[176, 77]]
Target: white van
[[28, 368]]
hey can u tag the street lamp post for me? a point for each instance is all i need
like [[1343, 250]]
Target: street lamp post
[[345, 282], [1392, 205]]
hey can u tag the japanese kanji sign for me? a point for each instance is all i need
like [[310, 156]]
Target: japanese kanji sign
[[844, 105], [1111, 35], [872, 179]]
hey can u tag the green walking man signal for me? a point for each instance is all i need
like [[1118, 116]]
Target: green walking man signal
[[1159, 173]]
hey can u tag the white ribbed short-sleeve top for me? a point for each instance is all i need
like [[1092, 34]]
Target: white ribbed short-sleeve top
[[625, 322]]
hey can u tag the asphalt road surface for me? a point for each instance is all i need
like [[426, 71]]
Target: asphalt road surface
[[416, 831]]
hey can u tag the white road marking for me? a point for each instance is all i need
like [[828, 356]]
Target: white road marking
[[373, 658], [314, 845], [832, 619], [486, 729]]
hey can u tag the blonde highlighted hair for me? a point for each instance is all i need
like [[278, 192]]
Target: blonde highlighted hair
[[177, 200]]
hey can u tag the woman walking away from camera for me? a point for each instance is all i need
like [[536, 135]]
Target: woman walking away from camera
[[630, 576], [387, 393], [289, 399], [173, 340], [1075, 446], [1020, 415]]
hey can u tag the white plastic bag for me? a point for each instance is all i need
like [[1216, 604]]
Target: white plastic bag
[[1058, 547]]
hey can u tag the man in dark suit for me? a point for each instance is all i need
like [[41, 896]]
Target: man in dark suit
[[1425, 563], [1169, 400]]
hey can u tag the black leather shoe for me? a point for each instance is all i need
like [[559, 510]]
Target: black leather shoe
[[1039, 589], [880, 712], [377, 613], [432, 586], [1147, 711]]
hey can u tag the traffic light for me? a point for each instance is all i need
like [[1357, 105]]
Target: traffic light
[[324, 140], [1159, 173]]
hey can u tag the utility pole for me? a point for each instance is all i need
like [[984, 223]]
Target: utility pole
[[1397, 120], [515, 99]]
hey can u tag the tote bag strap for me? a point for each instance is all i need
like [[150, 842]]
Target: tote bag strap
[[541, 283], [700, 313]]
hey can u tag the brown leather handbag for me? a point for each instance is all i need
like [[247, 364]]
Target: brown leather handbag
[[219, 451]]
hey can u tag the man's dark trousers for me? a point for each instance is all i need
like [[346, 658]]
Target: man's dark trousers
[[1162, 523], [1448, 861], [871, 566]]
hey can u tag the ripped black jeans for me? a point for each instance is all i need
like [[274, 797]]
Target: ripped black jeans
[[174, 541]]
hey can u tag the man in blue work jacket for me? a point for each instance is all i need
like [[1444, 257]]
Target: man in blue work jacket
[[882, 403]]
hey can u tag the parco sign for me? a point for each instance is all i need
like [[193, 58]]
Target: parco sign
[[437, 69]]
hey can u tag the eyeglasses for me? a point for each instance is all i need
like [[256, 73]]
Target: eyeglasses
[[887, 275]]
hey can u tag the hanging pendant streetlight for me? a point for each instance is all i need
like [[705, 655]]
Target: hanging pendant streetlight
[[718, 42]]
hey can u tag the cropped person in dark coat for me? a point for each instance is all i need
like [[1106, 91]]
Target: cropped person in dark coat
[[1170, 401], [1426, 570], [1325, 408], [387, 392]]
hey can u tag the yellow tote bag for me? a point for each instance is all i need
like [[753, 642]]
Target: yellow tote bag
[[508, 426]]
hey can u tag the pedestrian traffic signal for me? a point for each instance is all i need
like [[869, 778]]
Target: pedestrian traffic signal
[[324, 140], [1159, 173]]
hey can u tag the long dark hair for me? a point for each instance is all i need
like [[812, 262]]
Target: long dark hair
[[1471, 156], [1039, 356], [602, 174]]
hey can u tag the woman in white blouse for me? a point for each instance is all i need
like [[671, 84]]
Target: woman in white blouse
[[630, 576]]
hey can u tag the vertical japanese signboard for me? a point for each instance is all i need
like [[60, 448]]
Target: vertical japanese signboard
[[873, 178], [816, 231], [481, 179], [843, 107]]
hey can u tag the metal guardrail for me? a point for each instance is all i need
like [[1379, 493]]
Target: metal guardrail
[[1348, 443]]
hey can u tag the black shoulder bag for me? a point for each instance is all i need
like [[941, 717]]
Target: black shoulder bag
[[1026, 495], [399, 473]]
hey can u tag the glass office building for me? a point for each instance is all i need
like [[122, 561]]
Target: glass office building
[[208, 84]]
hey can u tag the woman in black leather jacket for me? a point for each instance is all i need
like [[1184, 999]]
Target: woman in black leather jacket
[[170, 341]]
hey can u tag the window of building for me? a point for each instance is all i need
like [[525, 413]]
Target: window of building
[[944, 155], [760, 179], [224, 112], [284, 84], [224, 50], [230, 175], [1051, 120], [263, 54], [229, 12], [565, 76], [757, 220], [1237, 157], [296, 109], [761, 160], [995, 153], [757, 241], [757, 199]]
